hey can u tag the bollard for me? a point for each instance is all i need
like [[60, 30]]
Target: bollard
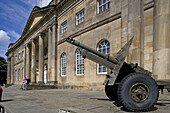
[[0, 93]]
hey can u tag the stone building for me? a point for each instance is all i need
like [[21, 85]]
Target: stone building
[[43, 55]]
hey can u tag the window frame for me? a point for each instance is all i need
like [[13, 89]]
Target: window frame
[[79, 17], [62, 56], [64, 28], [79, 49], [98, 6], [99, 73]]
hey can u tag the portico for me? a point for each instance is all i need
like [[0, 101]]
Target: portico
[[38, 61], [36, 56]]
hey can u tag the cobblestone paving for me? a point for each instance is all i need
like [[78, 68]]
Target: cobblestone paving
[[73, 101]]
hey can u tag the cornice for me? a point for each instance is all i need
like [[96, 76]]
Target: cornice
[[18, 62], [76, 2], [61, 3], [148, 5], [93, 26]]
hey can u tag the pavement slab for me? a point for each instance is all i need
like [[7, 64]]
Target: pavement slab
[[16, 100]]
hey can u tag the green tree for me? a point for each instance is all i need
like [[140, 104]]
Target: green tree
[[3, 70]]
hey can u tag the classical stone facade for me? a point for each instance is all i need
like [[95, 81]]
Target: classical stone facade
[[43, 55]]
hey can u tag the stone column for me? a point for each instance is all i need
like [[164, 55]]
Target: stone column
[[161, 39], [53, 57], [33, 66], [135, 28], [28, 61], [9, 71], [25, 61], [49, 52], [12, 70], [41, 58], [124, 22]]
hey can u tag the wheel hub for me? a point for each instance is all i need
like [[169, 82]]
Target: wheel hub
[[139, 92]]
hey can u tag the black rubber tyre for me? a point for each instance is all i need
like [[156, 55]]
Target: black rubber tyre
[[111, 92], [138, 92]]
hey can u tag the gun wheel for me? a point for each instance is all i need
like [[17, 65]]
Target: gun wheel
[[138, 92], [111, 92]]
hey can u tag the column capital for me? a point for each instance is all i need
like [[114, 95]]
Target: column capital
[[49, 27], [42, 34], [28, 44], [55, 17], [54, 23], [34, 40], [8, 59]]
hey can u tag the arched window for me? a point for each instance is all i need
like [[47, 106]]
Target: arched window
[[103, 47], [63, 64], [19, 75], [79, 63]]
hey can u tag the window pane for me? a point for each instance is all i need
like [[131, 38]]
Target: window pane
[[103, 5], [80, 17], [64, 27], [100, 2], [63, 64], [100, 9], [80, 62], [103, 47]]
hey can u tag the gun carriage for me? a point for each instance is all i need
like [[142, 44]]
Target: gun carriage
[[131, 84]]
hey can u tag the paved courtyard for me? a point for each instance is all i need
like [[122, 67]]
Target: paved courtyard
[[75, 101]]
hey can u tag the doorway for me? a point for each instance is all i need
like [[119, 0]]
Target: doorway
[[45, 74]]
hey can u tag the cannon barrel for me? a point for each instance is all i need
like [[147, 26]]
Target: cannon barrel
[[97, 59], [76, 43]]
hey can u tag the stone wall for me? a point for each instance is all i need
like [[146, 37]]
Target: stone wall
[[110, 32]]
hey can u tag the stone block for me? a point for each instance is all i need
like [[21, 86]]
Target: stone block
[[161, 63]]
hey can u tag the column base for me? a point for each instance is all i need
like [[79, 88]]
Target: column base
[[40, 82], [52, 82], [33, 83]]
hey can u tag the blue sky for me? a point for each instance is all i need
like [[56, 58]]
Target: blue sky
[[13, 17]]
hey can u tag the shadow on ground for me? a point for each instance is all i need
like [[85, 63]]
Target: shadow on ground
[[163, 102], [103, 99], [119, 104], [8, 100]]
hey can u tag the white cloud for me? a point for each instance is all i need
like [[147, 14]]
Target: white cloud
[[14, 34], [40, 3], [44, 3], [4, 38]]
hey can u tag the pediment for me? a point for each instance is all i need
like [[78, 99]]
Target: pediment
[[36, 15], [35, 20]]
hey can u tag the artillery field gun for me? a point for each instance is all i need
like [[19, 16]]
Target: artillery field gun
[[131, 84]]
